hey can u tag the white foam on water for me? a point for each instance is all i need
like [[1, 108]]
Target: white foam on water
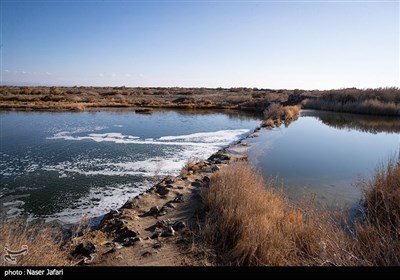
[[221, 137], [101, 199]]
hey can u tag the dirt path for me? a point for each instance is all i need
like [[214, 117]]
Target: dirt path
[[153, 229]]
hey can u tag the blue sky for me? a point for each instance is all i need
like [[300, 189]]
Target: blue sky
[[265, 44]]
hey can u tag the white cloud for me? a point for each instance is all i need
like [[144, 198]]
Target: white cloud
[[7, 71], [48, 73], [113, 75], [128, 75], [141, 75], [100, 75]]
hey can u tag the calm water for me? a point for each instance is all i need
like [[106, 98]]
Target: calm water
[[325, 153], [62, 165]]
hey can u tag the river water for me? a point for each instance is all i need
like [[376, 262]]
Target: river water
[[323, 154], [64, 165]]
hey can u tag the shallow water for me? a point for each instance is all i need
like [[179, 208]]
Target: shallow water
[[324, 154], [64, 165]]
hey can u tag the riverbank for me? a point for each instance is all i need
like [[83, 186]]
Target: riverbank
[[157, 227], [378, 101], [220, 212]]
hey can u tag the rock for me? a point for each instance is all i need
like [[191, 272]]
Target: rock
[[154, 210], [146, 254], [207, 169], [169, 180], [89, 259], [157, 233], [163, 211], [169, 205], [157, 245], [219, 157], [180, 187], [130, 241], [169, 186], [112, 250], [118, 224], [184, 177], [85, 248], [178, 198], [161, 224], [178, 225], [168, 232], [215, 168], [162, 190], [126, 232], [197, 184], [206, 179]]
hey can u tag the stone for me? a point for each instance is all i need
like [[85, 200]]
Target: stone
[[85, 248], [206, 179], [169, 186], [161, 224], [168, 232], [130, 241], [169, 181], [207, 169], [146, 254], [197, 184], [169, 205], [157, 245], [126, 232], [178, 225], [162, 190], [157, 233], [118, 224], [215, 168], [154, 210], [178, 198]]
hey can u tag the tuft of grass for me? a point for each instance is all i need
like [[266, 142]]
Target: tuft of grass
[[248, 222], [275, 113], [379, 232], [380, 101], [44, 244]]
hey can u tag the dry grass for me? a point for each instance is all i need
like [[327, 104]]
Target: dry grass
[[192, 166], [276, 113], [368, 101], [248, 222], [381, 101], [44, 244], [379, 233]]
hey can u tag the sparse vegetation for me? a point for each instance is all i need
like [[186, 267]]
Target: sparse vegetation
[[379, 233], [43, 241], [275, 113], [248, 222], [380, 101], [383, 101]]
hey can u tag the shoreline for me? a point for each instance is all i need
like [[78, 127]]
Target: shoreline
[[153, 227]]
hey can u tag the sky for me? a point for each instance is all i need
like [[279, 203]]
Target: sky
[[263, 44]]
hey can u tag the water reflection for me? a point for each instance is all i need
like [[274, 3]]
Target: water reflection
[[362, 123], [325, 153]]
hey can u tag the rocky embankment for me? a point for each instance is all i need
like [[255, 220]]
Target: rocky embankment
[[155, 228]]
